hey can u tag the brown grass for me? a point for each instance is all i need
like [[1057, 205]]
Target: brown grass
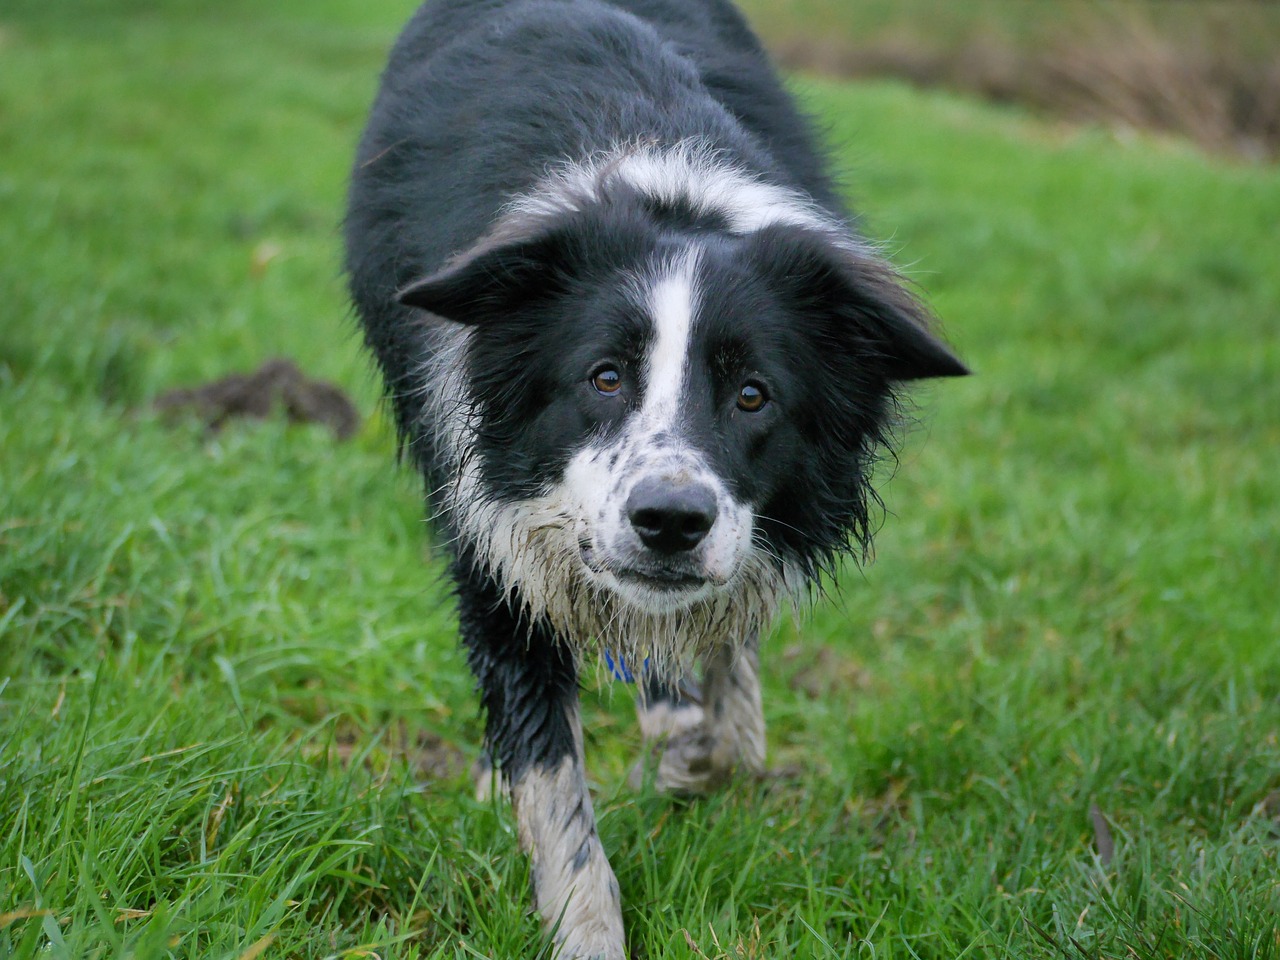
[[1117, 65]]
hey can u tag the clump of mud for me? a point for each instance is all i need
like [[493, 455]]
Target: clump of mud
[[277, 385]]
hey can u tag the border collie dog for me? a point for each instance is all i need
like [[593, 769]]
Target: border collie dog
[[644, 363]]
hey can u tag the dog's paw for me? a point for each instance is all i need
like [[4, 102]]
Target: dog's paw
[[685, 764], [661, 723], [699, 759], [583, 949]]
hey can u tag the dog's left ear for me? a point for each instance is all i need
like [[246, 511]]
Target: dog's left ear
[[869, 292], [862, 293], [494, 277], [900, 325]]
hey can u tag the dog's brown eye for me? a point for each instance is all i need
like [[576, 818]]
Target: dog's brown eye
[[751, 397], [607, 381]]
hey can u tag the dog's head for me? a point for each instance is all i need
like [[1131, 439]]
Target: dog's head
[[673, 390]]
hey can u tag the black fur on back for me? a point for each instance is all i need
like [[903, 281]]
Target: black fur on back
[[479, 96]]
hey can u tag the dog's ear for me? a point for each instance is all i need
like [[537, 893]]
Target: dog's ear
[[494, 277], [861, 293], [899, 324]]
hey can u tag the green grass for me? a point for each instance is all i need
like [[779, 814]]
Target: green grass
[[212, 648]]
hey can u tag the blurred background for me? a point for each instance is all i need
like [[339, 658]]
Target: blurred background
[[1208, 70]]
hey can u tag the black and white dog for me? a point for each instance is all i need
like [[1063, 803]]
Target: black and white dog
[[644, 364]]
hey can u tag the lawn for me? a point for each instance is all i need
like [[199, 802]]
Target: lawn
[[233, 721]]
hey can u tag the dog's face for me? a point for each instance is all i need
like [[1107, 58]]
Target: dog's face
[[667, 410]]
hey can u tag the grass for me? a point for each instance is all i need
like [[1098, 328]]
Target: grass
[[231, 707]]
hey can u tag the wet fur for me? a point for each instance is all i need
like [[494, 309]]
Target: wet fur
[[546, 186]]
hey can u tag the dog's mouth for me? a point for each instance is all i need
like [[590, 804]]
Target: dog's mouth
[[668, 580], [662, 580]]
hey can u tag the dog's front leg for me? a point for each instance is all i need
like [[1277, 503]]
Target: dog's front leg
[[703, 744], [529, 687], [573, 882]]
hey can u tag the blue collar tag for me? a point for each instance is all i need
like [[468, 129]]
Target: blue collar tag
[[618, 667]]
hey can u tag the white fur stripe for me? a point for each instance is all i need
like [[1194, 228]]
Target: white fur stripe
[[695, 173], [673, 305], [692, 171]]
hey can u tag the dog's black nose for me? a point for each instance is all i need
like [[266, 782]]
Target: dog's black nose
[[669, 517]]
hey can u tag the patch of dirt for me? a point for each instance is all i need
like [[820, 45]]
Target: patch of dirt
[[435, 759], [429, 756], [276, 385], [818, 672]]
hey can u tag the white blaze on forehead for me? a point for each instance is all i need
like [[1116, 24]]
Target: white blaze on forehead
[[691, 171], [696, 173], [672, 302]]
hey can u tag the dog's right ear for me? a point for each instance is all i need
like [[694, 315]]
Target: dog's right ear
[[494, 277]]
